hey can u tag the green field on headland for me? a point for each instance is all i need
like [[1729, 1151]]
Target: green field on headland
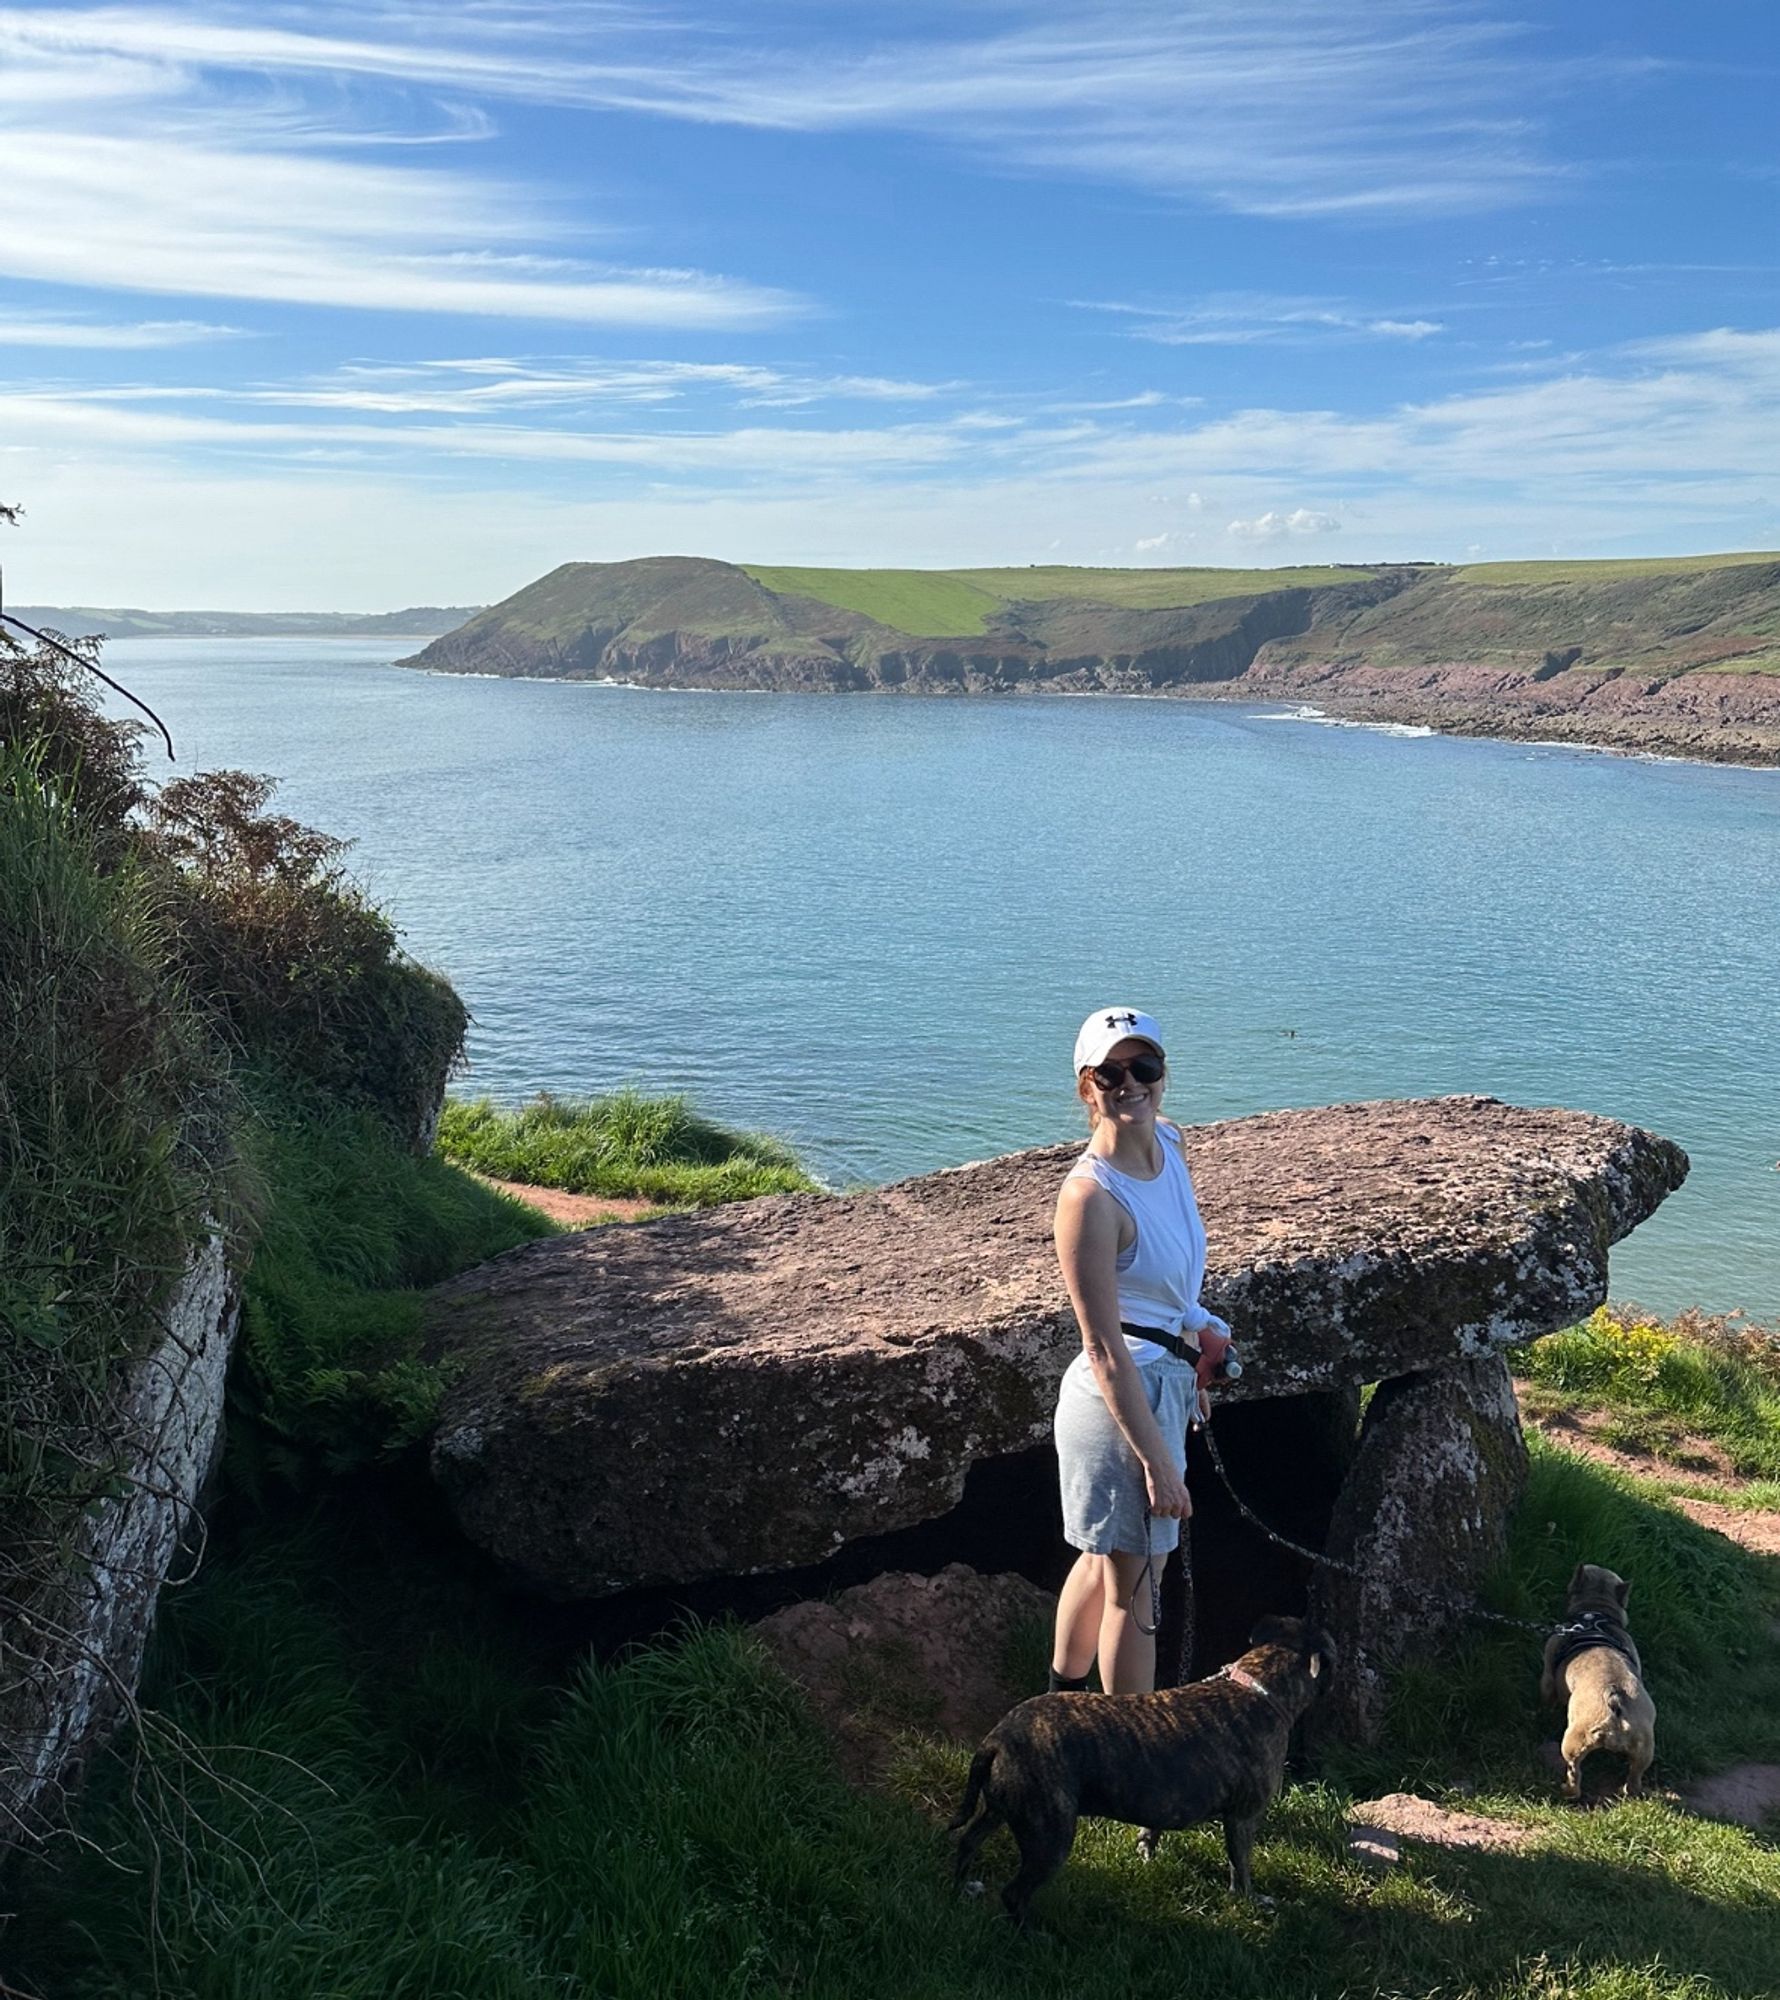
[[958, 603], [1608, 569]]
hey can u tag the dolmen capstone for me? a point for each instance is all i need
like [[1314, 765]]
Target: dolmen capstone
[[752, 1388]]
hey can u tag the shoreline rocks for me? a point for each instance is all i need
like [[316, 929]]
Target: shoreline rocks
[[1716, 718]]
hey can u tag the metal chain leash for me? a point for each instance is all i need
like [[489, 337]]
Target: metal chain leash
[[1433, 1599]]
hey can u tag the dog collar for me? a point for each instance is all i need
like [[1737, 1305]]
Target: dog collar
[[1246, 1680]]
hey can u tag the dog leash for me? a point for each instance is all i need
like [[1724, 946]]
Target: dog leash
[[1433, 1599], [1150, 1630]]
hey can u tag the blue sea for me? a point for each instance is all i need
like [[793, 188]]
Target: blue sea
[[871, 925]]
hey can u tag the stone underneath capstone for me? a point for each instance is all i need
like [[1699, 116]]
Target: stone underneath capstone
[[747, 1390]]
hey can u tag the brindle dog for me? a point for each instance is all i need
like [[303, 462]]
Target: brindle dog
[[1213, 1749]]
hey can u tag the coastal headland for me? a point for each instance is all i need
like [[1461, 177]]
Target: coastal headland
[[1670, 656]]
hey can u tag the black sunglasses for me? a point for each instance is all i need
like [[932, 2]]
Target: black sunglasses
[[1140, 1069]]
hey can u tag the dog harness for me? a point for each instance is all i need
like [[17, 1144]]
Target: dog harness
[[1582, 1635]]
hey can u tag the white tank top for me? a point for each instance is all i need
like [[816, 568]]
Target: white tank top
[[1160, 1275]]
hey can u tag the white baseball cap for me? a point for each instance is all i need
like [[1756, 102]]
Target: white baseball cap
[[1106, 1027]]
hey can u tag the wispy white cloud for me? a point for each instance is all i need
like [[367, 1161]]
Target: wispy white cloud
[[1644, 428], [1416, 483], [1145, 399], [553, 389], [1306, 107], [1246, 319], [130, 163], [32, 330], [140, 419]]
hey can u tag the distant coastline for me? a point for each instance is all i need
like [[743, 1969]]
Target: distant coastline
[[86, 621], [1673, 657]]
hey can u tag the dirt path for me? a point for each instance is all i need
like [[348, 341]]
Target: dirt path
[[574, 1211], [1377, 1828], [1750, 1527]]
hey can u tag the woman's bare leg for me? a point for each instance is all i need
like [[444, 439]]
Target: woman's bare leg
[[1127, 1655], [1080, 1604]]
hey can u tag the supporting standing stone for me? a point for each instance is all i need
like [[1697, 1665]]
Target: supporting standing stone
[[1423, 1516]]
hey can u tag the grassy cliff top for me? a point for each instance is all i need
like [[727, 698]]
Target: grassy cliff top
[[1615, 570], [957, 603]]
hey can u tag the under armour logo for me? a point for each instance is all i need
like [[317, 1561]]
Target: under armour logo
[[1121, 1020]]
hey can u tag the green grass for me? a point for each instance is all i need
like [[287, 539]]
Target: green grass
[[926, 603], [114, 1161], [1744, 663], [957, 603], [1606, 571], [328, 1370], [1156, 589], [625, 1145], [1699, 1611], [1696, 1376], [405, 1792]]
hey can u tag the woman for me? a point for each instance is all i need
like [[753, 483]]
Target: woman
[[1132, 1248]]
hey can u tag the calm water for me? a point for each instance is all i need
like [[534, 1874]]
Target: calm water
[[873, 925]]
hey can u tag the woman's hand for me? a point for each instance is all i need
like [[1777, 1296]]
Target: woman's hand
[[1169, 1498]]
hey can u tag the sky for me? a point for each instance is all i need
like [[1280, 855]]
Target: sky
[[325, 307]]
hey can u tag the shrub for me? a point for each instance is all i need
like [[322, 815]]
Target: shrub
[[1719, 1376], [292, 958], [79, 756]]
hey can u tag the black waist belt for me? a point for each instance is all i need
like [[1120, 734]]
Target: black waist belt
[[1172, 1342]]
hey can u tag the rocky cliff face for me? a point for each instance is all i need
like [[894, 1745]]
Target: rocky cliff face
[[1721, 716]]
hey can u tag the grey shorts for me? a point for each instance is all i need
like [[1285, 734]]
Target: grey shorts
[[1101, 1477]]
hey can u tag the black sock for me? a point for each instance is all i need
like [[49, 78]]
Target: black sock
[[1066, 1683]]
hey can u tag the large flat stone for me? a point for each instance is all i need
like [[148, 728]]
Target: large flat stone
[[750, 1388]]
